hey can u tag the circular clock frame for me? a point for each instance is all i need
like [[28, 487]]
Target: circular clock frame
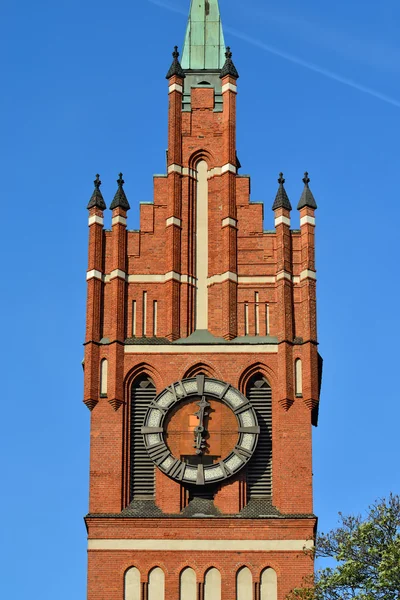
[[153, 430]]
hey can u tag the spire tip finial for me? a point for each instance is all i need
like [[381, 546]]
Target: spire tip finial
[[281, 179], [306, 179]]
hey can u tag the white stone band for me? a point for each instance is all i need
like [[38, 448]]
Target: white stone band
[[96, 219], [284, 275], [308, 274], [175, 87], [228, 168], [93, 274], [229, 87], [206, 349], [203, 545], [120, 220], [173, 221], [228, 276], [229, 221], [175, 169], [281, 220], [307, 220], [117, 273], [256, 280]]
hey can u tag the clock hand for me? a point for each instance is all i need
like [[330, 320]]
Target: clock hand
[[200, 431]]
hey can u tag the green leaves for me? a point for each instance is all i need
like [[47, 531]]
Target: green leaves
[[366, 554]]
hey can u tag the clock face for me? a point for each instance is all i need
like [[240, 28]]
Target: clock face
[[200, 431]]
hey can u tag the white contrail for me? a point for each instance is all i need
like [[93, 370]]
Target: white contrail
[[294, 59]]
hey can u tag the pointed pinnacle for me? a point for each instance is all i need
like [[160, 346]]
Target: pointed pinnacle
[[120, 199], [175, 68], [281, 200], [229, 68], [307, 198], [97, 200]]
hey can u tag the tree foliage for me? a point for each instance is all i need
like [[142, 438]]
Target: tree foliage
[[366, 557]]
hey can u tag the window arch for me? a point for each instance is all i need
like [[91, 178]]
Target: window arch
[[298, 369], [141, 466], [244, 584], [212, 585], [259, 471], [187, 585], [269, 585], [132, 584], [103, 377], [156, 589]]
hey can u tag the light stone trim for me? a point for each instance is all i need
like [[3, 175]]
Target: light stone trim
[[173, 221], [256, 279], [117, 273], [96, 219], [282, 219], [206, 349], [175, 87], [228, 276], [93, 274], [307, 220], [189, 172], [162, 278], [229, 221], [308, 274], [202, 545], [228, 168], [119, 220], [229, 87], [296, 279], [175, 169], [284, 275]]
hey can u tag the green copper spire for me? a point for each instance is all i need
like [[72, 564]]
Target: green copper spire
[[204, 47]]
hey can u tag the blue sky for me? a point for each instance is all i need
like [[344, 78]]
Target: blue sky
[[83, 91]]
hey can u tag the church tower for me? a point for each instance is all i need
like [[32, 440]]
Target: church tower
[[202, 371]]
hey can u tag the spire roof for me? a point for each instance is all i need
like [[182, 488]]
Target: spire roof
[[307, 198], [281, 200], [97, 200], [229, 68], [175, 68], [120, 199], [204, 47]]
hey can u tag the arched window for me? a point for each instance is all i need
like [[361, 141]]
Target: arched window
[[212, 585], [142, 467], [103, 377], [187, 585], [156, 584], [132, 584], [259, 471], [244, 584], [298, 368], [269, 585]]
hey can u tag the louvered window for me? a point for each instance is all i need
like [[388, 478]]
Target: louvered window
[[259, 471], [142, 468]]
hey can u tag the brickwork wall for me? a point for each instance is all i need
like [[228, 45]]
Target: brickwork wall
[[271, 272]]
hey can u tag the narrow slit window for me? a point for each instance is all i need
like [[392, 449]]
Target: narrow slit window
[[144, 315], [246, 319], [257, 313], [104, 377], [267, 320], [134, 318], [155, 315], [299, 377]]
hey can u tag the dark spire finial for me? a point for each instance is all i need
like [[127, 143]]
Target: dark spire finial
[[97, 200], [175, 68], [307, 198], [120, 199], [281, 200], [229, 68]]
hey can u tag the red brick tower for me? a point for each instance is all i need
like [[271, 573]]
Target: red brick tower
[[202, 371]]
